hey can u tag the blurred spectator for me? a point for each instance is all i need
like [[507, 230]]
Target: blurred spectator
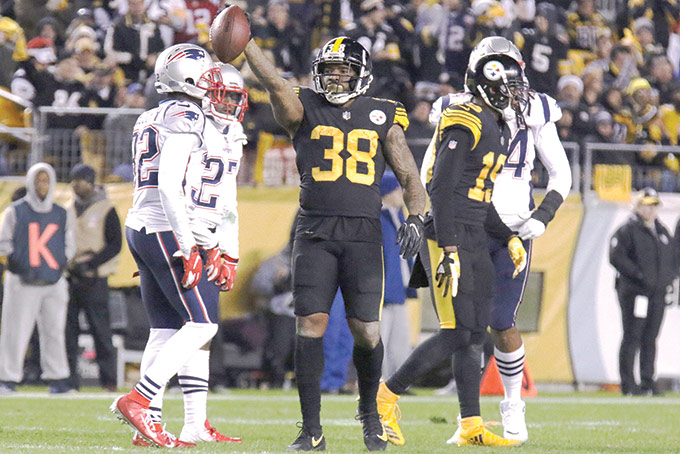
[[603, 51], [605, 133], [390, 80], [79, 32], [190, 17], [640, 251], [273, 288], [395, 328], [12, 49], [643, 32], [37, 239], [98, 243], [454, 38], [134, 42], [50, 29], [425, 17], [543, 46], [30, 12], [569, 93], [85, 54], [662, 14], [661, 77], [583, 26], [612, 101], [34, 81], [564, 126], [592, 94], [622, 68], [102, 91], [670, 114], [491, 18], [419, 131], [288, 43], [118, 128], [648, 127]]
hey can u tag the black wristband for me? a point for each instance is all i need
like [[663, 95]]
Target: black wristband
[[546, 210]]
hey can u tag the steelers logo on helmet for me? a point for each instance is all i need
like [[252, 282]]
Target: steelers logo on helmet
[[493, 70], [499, 80], [342, 70]]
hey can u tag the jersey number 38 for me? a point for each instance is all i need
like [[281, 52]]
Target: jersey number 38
[[356, 156]]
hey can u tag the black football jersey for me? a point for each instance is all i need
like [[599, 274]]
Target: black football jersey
[[339, 154], [471, 196], [542, 53]]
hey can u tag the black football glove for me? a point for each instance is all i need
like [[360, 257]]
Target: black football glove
[[410, 236]]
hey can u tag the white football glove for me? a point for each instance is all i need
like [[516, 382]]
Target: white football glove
[[532, 228]]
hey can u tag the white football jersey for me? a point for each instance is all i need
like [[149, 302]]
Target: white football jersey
[[149, 139], [511, 195], [211, 186]]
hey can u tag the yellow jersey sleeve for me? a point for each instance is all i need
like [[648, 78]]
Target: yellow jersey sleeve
[[400, 116], [462, 116]]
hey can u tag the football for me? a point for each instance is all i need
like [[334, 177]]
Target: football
[[229, 33]]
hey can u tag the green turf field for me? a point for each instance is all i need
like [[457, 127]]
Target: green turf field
[[35, 422]]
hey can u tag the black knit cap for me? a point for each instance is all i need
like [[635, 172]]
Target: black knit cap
[[82, 172]]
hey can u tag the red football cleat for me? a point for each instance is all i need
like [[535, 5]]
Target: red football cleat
[[171, 440], [207, 433], [137, 416]]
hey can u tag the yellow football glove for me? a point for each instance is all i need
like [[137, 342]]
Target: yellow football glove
[[448, 272], [518, 255]]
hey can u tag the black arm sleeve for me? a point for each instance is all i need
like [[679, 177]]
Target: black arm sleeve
[[495, 227], [448, 170], [113, 239], [546, 210]]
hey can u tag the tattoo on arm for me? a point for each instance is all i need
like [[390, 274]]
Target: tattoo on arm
[[399, 157], [286, 105]]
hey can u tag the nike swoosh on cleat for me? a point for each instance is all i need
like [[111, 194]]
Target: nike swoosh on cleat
[[383, 437], [316, 442], [512, 433]]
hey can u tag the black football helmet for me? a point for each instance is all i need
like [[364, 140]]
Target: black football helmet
[[348, 52], [504, 90]]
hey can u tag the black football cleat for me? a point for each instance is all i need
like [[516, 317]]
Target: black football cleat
[[375, 436], [308, 440]]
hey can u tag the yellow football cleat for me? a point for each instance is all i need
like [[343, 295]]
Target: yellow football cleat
[[473, 431], [390, 414]]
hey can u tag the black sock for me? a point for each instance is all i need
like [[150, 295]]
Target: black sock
[[308, 371], [467, 370], [427, 356], [369, 368]]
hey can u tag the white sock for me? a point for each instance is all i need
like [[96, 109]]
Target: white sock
[[511, 367], [193, 378], [157, 338], [177, 350]]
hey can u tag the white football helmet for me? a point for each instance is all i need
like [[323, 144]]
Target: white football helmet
[[189, 69], [233, 101]]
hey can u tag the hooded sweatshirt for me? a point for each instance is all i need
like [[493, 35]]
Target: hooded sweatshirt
[[37, 235]]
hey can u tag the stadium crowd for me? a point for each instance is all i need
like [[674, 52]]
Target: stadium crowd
[[613, 66]]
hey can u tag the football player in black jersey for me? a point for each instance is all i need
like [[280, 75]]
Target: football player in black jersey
[[343, 140], [471, 146]]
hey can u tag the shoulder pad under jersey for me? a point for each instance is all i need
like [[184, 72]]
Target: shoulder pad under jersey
[[184, 117], [445, 101], [542, 109]]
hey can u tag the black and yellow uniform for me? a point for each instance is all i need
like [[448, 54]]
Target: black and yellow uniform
[[471, 148], [338, 240]]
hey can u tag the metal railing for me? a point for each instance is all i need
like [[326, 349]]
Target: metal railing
[[65, 136]]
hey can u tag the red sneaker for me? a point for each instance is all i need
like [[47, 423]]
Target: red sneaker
[[137, 416], [138, 440], [171, 440], [207, 433]]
